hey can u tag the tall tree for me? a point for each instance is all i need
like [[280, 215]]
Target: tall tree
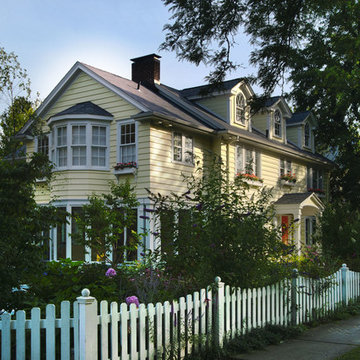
[[314, 44]]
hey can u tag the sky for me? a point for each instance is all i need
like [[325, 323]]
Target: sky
[[49, 36]]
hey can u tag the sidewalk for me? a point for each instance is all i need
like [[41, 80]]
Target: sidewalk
[[324, 342]]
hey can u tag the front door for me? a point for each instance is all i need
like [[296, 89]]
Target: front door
[[285, 229]]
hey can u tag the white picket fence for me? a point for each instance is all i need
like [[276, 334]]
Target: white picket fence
[[106, 331]]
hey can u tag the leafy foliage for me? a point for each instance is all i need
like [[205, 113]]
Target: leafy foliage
[[22, 223], [312, 44], [215, 229], [102, 223]]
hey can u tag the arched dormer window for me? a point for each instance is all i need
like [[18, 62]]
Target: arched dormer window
[[307, 135], [277, 123], [240, 109]]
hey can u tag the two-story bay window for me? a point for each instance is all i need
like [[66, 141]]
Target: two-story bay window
[[80, 145], [127, 142], [247, 161], [183, 148]]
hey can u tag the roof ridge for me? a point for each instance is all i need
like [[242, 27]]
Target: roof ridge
[[105, 71]]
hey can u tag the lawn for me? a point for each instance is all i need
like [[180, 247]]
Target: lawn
[[351, 355]]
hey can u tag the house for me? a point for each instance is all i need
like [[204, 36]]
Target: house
[[100, 127]]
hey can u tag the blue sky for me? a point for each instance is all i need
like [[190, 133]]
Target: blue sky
[[50, 36]]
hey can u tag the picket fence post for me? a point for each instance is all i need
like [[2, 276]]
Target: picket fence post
[[294, 277], [219, 312], [344, 290], [88, 339]]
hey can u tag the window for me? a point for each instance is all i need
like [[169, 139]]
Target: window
[[61, 236], [183, 148], [127, 142], [77, 247], [310, 227], [240, 109], [277, 123], [43, 144], [80, 146], [247, 161], [285, 167], [315, 180], [307, 135]]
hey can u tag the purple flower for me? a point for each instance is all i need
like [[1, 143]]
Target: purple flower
[[199, 206], [132, 300], [110, 273]]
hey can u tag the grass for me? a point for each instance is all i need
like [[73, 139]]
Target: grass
[[351, 355]]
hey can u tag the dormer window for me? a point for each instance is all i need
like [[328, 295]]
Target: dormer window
[[307, 135], [277, 123], [240, 109]]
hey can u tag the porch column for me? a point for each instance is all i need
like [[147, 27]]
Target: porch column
[[297, 231]]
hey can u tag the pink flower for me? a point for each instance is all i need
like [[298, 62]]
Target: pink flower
[[110, 273], [132, 300]]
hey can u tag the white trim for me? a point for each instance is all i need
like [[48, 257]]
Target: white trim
[[79, 116], [119, 123], [69, 77], [89, 124]]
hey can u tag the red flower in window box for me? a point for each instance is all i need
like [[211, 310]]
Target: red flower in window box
[[319, 191], [122, 165], [290, 177], [247, 176]]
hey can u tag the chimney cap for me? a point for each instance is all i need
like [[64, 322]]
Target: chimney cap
[[146, 57]]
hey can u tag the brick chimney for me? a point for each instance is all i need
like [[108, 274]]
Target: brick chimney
[[146, 69]]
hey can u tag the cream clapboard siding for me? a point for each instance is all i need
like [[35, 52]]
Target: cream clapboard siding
[[166, 176], [217, 104], [259, 121], [82, 183], [292, 134]]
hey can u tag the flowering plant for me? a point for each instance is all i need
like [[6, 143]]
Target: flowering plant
[[123, 165], [319, 191], [110, 273], [132, 300], [248, 176], [290, 177]]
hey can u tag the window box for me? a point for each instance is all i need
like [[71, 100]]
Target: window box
[[287, 183], [250, 179], [125, 168]]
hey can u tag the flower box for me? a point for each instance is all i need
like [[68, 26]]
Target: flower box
[[287, 183], [250, 179], [288, 177], [125, 168]]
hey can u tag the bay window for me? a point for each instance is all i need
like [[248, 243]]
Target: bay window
[[80, 145]]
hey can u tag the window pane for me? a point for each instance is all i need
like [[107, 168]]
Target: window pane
[[188, 150], [79, 155], [43, 145], [239, 159], [282, 167], [61, 136], [98, 155], [79, 135], [308, 178], [127, 153], [177, 148], [249, 162], [257, 164], [62, 157]]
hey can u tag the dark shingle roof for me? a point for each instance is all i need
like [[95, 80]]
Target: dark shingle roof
[[199, 90], [87, 108], [298, 117], [271, 101], [296, 198]]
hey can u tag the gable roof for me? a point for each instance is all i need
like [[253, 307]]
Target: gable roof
[[298, 118], [299, 199], [164, 102], [198, 91]]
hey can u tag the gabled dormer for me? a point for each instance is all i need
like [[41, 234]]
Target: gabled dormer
[[271, 119], [230, 102], [300, 129]]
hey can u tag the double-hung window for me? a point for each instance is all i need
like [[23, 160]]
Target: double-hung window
[[183, 148], [247, 161], [127, 142], [310, 226], [43, 144], [285, 167], [315, 179], [80, 145]]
